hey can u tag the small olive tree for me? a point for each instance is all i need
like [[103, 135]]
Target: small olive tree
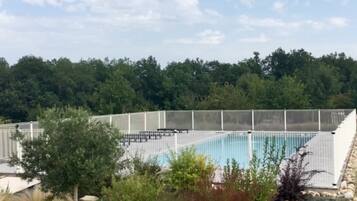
[[72, 153]]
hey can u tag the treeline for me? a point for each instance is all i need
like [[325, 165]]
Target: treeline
[[283, 79]]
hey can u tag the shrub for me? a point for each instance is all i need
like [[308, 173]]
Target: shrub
[[258, 181], [187, 169], [73, 154], [132, 188], [148, 167], [294, 177]]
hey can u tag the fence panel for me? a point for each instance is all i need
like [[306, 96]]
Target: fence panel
[[103, 118], [207, 120], [137, 122], [330, 119], [343, 139], [162, 119], [179, 119], [237, 120], [7, 145], [321, 158], [302, 120], [152, 120], [269, 120], [121, 122]]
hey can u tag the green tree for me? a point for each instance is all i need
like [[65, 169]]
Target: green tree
[[224, 97], [150, 80], [285, 93], [115, 95], [321, 82], [72, 153], [254, 88], [186, 83]]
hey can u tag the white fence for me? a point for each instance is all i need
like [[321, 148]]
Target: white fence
[[202, 120], [342, 141], [328, 133]]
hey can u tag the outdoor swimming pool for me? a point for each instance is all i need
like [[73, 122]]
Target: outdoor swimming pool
[[236, 146]]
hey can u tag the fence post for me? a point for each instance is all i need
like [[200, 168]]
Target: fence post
[[285, 126], [336, 176], [18, 153], [158, 119], [222, 123], [31, 130], [193, 119], [253, 120], [144, 121], [164, 118], [250, 147], [176, 145], [319, 118], [110, 120], [129, 126]]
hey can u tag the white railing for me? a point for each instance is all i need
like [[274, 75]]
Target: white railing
[[343, 138]]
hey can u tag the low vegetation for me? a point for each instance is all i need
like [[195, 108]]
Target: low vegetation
[[190, 178]]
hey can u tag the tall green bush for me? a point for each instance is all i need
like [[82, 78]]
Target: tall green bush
[[74, 154], [188, 169]]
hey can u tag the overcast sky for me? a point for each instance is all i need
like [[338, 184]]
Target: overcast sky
[[225, 30]]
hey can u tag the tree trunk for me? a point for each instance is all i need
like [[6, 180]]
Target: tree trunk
[[75, 193]]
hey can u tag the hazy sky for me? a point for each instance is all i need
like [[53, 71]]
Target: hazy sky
[[226, 30]]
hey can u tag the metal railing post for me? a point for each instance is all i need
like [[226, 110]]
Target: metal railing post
[[110, 120], [129, 126], [176, 145], [19, 153], [145, 121], [31, 130], [164, 118], [253, 120], [319, 118], [222, 123], [193, 119], [250, 146], [285, 126], [158, 119]]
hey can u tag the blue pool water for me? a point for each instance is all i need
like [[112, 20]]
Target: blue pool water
[[235, 146]]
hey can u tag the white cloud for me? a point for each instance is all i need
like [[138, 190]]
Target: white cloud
[[211, 37], [206, 37], [248, 3], [262, 38], [6, 19], [253, 22], [279, 6], [49, 2], [149, 11], [338, 21]]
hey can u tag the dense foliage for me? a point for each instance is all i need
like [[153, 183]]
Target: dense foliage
[[283, 79], [132, 188], [73, 153], [188, 169], [189, 177]]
